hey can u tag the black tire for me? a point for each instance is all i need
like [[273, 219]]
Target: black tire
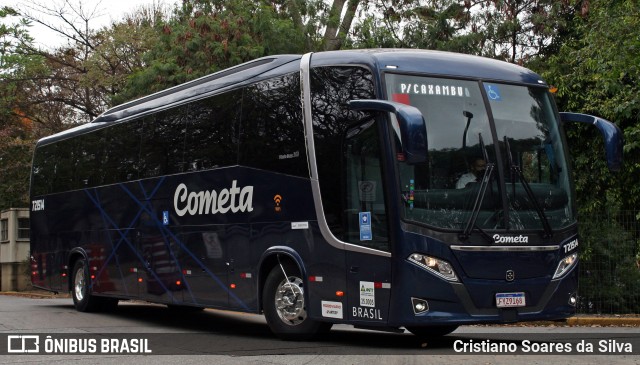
[[432, 331], [285, 307], [83, 299]]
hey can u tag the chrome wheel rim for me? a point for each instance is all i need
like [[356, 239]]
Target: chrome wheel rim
[[78, 284], [289, 301]]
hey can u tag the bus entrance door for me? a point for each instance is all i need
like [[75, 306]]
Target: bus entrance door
[[369, 287]]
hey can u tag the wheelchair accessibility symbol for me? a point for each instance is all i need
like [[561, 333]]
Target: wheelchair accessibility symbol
[[493, 92]]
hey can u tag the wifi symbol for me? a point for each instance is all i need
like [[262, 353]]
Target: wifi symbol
[[277, 199]]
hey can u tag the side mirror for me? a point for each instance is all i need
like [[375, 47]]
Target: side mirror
[[613, 138], [413, 129]]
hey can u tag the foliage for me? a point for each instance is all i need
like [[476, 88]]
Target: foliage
[[16, 68], [512, 30], [116, 54], [597, 71], [609, 275], [46, 91], [438, 24], [516, 30], [205, 36]]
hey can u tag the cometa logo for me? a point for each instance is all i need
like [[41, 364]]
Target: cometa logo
[[510, 239], [234, 199]]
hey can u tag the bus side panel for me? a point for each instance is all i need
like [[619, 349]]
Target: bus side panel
[[149, 239], [113, 248], [327, 265], [282, 207], [40, 236]]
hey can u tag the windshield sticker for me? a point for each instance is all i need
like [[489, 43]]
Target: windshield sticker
[[365, 226], [401, 98], [435, 89], [493, 92]]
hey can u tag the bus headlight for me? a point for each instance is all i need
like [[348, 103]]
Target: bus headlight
[[438, 267], [566, 264]]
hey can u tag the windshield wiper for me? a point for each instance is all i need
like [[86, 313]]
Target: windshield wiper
[[482, 191], [516, 170]]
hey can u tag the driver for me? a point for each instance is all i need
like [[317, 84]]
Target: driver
[[476, 171]]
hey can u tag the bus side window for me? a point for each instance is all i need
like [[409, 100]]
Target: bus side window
[[162, 145], [121, 157], [91, 150], [212, 132], [66, 165], [272, 134], [44, 170]]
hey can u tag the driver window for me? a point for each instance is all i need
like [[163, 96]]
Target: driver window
[[365, 198], [348, 156]]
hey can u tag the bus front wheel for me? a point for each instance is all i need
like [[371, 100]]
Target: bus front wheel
[[284, 305]]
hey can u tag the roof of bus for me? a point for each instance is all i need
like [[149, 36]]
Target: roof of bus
[[439, 63], [434, 63]]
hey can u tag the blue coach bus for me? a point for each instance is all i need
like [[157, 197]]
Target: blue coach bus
[[385, 189]]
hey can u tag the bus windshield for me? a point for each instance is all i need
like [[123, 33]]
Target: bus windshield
[[443, 191]]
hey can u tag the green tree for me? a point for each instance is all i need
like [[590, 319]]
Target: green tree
[[118, 53], [91, 65], [516, 30], [438, 24], [597, 70], [203, 37], [17, 68]]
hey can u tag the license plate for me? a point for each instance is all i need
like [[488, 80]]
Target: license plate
[[507, 300]]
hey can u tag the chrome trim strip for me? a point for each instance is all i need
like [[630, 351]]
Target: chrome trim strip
[[305, 86], [505, 248], [305, 89]]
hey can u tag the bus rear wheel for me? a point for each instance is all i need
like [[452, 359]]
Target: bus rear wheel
[[284, 305], [432, 331], [83, 299]]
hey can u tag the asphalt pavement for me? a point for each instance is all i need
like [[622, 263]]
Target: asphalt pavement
[[593, 320]]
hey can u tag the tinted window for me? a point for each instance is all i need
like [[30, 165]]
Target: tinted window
[[66, 165], [120, 160], [163, 139], [272, 134], [105, 156], [212, 137], [362, 168], [91, 153], [348, 154], [43, 170]]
